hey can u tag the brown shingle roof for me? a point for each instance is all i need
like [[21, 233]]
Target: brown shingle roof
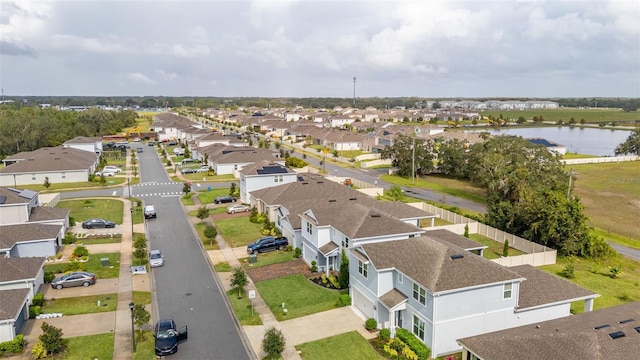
[[11, 234], [14, 196], [42, 213], [252, 169], [84, 140], [571, 337], [430, 264], [393, 298], [544, 288], [12, 269], [455, 239], [52, 159], [11, 302]]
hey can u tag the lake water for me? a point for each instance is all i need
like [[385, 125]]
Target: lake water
[[592, 141]]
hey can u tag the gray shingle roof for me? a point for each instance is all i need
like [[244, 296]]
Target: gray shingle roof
[[12, 269], [252, 169], [42, 213], [14, 196], [571, 337], [455, 239], [11, 234], [52, 159], [544, 288], [11, 302], [84, 140], [430, 263]]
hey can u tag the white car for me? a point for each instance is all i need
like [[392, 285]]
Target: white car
[[156, 258], [203, 169], [113, 169], [105, 173], [178, 151]]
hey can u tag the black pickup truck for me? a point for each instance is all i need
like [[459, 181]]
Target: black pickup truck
[[267, 243]]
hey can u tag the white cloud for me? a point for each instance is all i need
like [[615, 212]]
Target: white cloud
[[169, 76], [139, 77]]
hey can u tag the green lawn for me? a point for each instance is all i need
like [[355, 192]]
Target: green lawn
[[565, 114], [300, 295], [218, 210], [59, 187], [242, 308], [268, 258], [102, 239], [441, 184], [347, 346], [576, 156], [222, 267], [494, 250], [81, 210], [93, 265], [239, 231], [594, 275], [142, 297], [207, 197], [186, 198], [81, 304], [145, 348], [207, 177], [98, 346], [206, 243]]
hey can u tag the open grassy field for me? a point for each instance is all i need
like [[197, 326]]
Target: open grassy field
[[494, 249], [81, 210], [610, 193], [589, 115]]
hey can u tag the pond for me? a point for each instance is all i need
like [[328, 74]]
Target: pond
[[591, 141]]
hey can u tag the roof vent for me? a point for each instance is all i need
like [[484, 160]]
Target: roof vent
[[456, 256], [320, 182], [353, 198], [56, 158], [626, 321], [332, 200], [601, 326], [617, 335], [375, 215], [637, 329]]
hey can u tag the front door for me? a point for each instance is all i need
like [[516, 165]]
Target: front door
[[399, 318]]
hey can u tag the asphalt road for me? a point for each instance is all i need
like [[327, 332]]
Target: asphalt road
[[626, 251]]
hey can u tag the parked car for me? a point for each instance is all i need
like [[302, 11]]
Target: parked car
[[104, 173], [203, 169], [156, 258], [97, 223], [237, 208], [140, 149], [77, 278], [167, 338], [187, 160], [178, 151], [172, 143], [136, 139], [188, 171], [111, 168], [122, 144], [149, 212], [109, 145], [151, 143], [224, 199], [267, 243]]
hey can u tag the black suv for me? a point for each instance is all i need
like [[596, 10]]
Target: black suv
[[224, 199]]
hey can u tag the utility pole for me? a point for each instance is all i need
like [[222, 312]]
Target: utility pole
[[354, 91], [413, 161]]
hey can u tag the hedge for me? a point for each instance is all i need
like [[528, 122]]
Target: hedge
[[414, 343], [14, 346]]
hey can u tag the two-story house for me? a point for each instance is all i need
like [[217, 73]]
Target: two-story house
[[263, 174]]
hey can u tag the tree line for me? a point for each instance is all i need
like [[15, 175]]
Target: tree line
[[528, 192], [31, 128]]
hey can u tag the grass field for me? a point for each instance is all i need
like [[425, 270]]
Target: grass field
[[610, 193], [238, 231], [58, 187], [93, 265], [207, 197], [81, 304], [589, 115], [494, 249], [268, 258], [300, 295], [441, 184], [94, 208], [98, 346], [145, 348], [348, 346], [206, 243]]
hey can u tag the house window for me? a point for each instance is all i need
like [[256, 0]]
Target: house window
[[419, 294], [506, 294], [278, 178], [309, 228], [400, 278], [345, 242], [64, 175], [235, 167], [418, 327], [33, 176], [363, 268]]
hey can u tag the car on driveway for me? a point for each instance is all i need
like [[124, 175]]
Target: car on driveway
[[203, 169], [98, 223], [188, 171], [156, 258], [168, 338], [224, 199], [105, 173], [267, 243], [111, 168], [77, 278], [237, 208]]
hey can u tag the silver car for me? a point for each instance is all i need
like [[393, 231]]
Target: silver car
[[237, 208], [77, 278], [156, 258]]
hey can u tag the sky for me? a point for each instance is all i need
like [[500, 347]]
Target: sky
[[315, 48]]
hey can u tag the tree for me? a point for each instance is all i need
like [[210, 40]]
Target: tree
[[395, 193], [631, 145], [409, 154], [233, 190], [273, 343], [343, 276], [239, 280], [51, 338], [186, 188], [210, 232], [46, 184], [505, 248], [452, 157], [140, 316], [203, 213]]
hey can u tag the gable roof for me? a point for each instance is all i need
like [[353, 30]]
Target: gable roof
[[11, 302], [455, 239], [570, 337], [12, 269], [12, 234], [51, 159], [16, 196], [84, 140], [265, 167], [430, 263], [43, 213]]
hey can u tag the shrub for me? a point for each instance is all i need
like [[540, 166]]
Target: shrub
[[343, 276], [417, 346], [34, 311], [385, 334], [38, 299], [273, 343], [344, 300], [297, 252], [75, 266], [334, 282], [72, 221], [48, 277], [39, 351], [14, 346], [505, 248], [568, 271], [288, 248], [370, 324], [314, 266], [389, 351], [323, 277], [51, 338], [140, 242], [69, 238], [80, 251]]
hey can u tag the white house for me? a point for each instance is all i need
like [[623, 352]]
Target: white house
[[263, 174], [91, 144]]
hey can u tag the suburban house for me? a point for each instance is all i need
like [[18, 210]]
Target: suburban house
[[55, 164], [229, 159], [16, 205], [91, 144], [442, 292], [263, 174], [609, 333], [168, 125], [20, 280]]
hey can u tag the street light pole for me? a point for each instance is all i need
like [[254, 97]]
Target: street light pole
[[131, 210], [133, 334], [129, 187]]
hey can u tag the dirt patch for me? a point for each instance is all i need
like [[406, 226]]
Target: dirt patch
[[274, 271]]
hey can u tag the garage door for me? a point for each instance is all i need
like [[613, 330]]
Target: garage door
[[362, 303], [22, 319]]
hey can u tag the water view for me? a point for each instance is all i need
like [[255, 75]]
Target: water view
[[592, 141]]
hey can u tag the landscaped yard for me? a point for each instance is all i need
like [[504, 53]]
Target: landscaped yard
[[101, 239], [242, 308], [222, 267], [207, 197], [57, 187], [494, 250], [81, 210], [268, 258], [301, 296], [350, 346], [93, 265], [81, 304], [98, 346], [441, 184], [239, 231], [595, 276]]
